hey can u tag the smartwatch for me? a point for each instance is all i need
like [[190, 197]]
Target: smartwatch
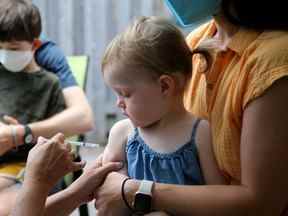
[[28, 135], [143, 198]]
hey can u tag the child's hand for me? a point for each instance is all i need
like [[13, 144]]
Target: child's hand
[[10, 120], [93, 176], [7, 139], [49, 160]]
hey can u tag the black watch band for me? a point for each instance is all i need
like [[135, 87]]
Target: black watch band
[[143, 198], [28, 135]]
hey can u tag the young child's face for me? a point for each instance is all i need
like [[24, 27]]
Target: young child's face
[[138, 96]]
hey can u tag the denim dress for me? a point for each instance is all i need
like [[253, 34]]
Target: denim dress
[[179, 167]]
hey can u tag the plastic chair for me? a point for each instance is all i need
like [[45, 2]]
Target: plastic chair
[[79, 67]]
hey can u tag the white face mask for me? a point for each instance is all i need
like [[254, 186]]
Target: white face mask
[[15, 61]]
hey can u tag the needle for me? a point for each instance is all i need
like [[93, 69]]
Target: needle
[[84, 144]]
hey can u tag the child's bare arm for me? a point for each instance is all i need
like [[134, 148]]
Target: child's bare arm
[[208, 162], [115, 149]]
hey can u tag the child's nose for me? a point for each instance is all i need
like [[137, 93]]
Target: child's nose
[[120, 103]]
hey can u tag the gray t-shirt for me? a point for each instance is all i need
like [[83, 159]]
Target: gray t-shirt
[[28, 97]]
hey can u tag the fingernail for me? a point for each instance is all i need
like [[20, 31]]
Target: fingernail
[[83, 163], [41, 139], [120, 165]]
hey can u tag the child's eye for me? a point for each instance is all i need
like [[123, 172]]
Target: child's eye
[[125, 94]]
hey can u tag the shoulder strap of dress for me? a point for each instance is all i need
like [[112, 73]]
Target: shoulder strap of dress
[[194, 128]]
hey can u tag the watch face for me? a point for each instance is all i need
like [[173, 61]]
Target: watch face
[[29, 138], [142, 203]]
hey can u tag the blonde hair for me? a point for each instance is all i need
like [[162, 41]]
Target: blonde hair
[[151, 43]]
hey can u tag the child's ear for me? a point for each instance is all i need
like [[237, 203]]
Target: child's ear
[[36, 44], [167, 84]]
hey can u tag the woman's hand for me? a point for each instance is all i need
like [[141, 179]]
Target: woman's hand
[[49, 160], [108, 197], [93, 176]]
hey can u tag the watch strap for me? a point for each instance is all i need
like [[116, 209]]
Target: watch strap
[[28, 132], [143, 198], [146, 187], [123, 194]]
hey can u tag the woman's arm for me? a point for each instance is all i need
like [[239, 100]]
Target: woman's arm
[[80, 191], [264, 162], [47, 162], [31, 200], [77, 118]]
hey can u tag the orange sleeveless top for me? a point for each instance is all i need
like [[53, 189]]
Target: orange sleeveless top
[[244, 71]]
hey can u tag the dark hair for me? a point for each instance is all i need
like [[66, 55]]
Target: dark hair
[[19, 20], [257, 14], [151, 43]]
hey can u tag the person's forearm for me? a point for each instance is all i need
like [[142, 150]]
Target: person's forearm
[[203, 200], [30, 201], [62, 203], [73, 120]]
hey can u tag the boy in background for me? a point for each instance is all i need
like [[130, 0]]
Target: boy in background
[[27, 92]]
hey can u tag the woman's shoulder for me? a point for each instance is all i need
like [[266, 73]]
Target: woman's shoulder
[[272, 49], [274, 36], [266, 57], [267, 63]]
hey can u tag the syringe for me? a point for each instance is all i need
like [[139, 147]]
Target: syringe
[[84, 144]]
